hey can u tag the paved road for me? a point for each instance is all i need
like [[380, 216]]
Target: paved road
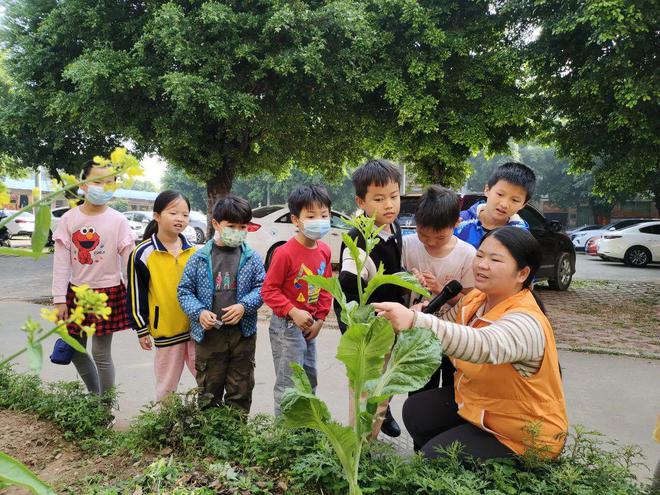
[[593, 268], [615, 395]]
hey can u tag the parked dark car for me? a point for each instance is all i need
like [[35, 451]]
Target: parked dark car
[[558, 261]]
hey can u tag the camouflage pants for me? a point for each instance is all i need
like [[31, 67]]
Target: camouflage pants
[[225, 368]]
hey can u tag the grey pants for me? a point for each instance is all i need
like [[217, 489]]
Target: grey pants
[[289, 346], [98, 373]]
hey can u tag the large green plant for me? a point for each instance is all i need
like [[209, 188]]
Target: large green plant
[[415, 355]]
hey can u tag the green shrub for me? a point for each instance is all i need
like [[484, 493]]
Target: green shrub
[[81, 416]]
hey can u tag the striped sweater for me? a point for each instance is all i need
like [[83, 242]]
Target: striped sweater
[[517, 338]]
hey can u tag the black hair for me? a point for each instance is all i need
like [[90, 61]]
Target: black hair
[[161, 202], [306, 197], [438, 208], [232, 208], [515, 173], [524, 248], [87, 168], [374, 172]]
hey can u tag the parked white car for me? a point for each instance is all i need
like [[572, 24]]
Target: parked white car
[[636, 246], [198, 222], [142, 218], [271, 227], [580, 239], [23, 224]]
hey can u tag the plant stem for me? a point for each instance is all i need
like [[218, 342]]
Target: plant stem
[[24, 349]]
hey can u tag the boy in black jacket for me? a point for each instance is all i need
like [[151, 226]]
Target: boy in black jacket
[[377, 185]]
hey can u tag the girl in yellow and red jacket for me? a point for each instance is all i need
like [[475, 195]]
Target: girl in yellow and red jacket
[[154, 271]]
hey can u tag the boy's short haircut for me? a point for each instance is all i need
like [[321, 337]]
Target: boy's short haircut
[[515, 173], [306, 197], [87, 168], [438, 208], [232, 208], [376, 172]]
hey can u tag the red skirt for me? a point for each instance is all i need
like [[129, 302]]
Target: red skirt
[[118, 318]]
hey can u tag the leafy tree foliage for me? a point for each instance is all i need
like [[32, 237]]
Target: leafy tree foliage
[[595, 84], [227, 89]]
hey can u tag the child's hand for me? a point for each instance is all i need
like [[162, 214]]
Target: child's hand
[[145, 343], [207, 319], [233, 314], [62, 311], [419, 306], [301, 318], [431, 283], [419, 276], [314, 330]]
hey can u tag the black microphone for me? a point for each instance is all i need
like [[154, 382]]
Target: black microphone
[[450, 291]]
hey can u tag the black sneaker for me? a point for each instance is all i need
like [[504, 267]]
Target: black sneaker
[[390, 427]]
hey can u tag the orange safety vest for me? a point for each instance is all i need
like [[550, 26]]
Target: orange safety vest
[[498, 399]]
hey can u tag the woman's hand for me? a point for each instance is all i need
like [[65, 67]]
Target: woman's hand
[[400, 317]]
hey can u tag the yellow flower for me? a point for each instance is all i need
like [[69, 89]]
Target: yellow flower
[[89, 329], [49, 314], [4, 195], [56, 183], [118, 155], [72, 203], [68, 178], [36, 194], [134, 171], [100, 161]]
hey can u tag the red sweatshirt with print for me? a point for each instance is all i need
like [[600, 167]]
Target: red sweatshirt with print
[[284, 288]]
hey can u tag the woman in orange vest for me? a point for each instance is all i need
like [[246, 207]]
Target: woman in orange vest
[[507, 395]]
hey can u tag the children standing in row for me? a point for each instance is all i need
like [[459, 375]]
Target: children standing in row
[[92, 244], [154, 272], [299, 308], [220, 293]]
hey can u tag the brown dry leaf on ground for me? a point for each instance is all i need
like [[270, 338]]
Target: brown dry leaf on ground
[[39, 445]]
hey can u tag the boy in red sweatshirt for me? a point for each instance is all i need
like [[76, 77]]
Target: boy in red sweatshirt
[[299, 308]]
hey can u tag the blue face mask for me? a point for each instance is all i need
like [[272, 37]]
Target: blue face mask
[[98, 196], [315, 229]]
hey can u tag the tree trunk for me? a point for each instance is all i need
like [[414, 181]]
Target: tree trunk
[[216, 188], [601, 210], [655, 189]]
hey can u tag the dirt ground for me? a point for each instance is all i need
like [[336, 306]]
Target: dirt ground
[[39, 445]]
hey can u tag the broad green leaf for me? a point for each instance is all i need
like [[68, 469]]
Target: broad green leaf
[[35, 355], [348, 311], [362, 349], [331, 284], [415, 357], [364, 314], [72, 342], [352, 247], [301, 409], [14, 472], [41, 229], [402, 279]]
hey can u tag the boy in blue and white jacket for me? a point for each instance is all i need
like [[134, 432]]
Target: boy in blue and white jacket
[[508, 190], [220, 291]]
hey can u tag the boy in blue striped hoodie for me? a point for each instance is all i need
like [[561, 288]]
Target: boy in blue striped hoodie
[[508, 190], [220, 291]]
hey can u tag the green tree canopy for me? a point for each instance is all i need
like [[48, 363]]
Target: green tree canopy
[[595, 83], [226, 89]]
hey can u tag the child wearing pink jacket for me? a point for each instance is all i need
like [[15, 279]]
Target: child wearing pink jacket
[[92, 245]]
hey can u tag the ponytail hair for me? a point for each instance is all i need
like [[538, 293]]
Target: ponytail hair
[[162, 201], [525, 250]]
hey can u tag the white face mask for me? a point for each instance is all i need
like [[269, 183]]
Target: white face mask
[[230, 237]]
